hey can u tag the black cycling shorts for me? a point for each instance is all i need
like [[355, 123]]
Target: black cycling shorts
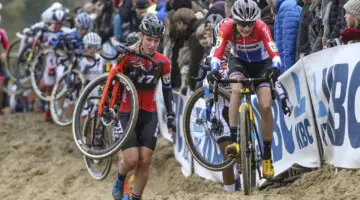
[[145, 132], [249, 70]]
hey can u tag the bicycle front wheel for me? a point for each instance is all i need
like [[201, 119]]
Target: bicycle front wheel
[[64, 95], [246, 145], [197, 140], [88, 101]]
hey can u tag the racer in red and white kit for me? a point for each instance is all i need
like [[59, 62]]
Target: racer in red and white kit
[[138, 150], [5, 44], [255, 55]]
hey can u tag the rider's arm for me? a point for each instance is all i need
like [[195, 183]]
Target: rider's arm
[[166, 87], [221, 42], [270, 45]]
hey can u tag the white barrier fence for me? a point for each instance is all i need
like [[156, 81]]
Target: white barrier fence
[[325, 82]]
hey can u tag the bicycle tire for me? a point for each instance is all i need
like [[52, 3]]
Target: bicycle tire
[[7, 89], [88, 161], [188, 136], [55, 96], [244, 121], [11, 73], [26, 83], [35, 80], [101, 154]]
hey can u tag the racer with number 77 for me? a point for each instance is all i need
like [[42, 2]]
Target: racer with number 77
[[138, 149], [254, 55]]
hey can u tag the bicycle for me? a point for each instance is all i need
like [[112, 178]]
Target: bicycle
[[27, 55], [248, 161], [68, 88], [111, 86], [62, 51]]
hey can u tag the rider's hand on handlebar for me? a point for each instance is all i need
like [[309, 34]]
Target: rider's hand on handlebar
[[214, 76], [273, 73]]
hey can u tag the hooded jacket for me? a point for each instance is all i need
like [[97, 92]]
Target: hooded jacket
[[286, 30]]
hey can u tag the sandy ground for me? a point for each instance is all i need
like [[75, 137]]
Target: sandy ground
[[39, 161]]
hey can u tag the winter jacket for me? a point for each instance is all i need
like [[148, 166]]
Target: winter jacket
[[268, 18], [286, 30], [303, 43], [337, 18], [316, 28], [161, 11]]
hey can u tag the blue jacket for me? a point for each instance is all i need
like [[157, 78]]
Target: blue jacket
[[161, 11], [286, 30]]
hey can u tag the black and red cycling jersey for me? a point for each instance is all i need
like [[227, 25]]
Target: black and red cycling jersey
[[146, 81]]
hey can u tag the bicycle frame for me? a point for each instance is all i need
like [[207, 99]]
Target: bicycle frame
[[112, 73]]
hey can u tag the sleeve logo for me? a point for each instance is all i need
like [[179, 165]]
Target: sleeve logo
[[273, 46]]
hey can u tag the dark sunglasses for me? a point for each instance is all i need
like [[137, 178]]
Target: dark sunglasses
[[245, 24]]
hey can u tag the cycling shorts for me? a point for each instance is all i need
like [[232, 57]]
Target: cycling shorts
[[249, 70], [145, 132]]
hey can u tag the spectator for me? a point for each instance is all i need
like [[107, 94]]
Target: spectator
[[161, 12], [228, 6], [337, 20], [286, 29], [267, 15], [316, 29], [217, 8], [185, 21], [352, 17], [152, 6], [129, 18], [104, 19], [303, 44]]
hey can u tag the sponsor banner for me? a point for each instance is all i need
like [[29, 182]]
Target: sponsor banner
[[181, 152], [332, 76]]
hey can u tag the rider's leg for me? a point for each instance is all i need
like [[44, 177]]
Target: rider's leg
[[142, 171], [147, 141], [267, 124], [1, 93], [128, 159], [228, 173], [127, 162]]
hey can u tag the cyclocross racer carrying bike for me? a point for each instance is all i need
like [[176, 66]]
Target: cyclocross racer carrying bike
[[138, 150], [255, 55]]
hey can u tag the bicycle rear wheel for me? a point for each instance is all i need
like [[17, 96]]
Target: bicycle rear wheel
[[64, 95], [22, 68], [98, 169], [85, 103], [11, 56], [36, 74], [246, 146], [193, 141]]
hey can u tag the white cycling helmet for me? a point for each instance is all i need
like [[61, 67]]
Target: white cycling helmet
[[83, 20], [218, 25], [46, 16], [58, 15], [245, 10], [92, 40]]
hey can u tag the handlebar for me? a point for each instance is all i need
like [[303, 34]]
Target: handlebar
[[247, 82], [121, 49], [77, 55]]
